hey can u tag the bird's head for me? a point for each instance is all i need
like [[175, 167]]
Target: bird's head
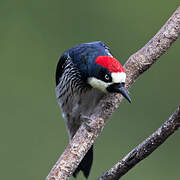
[[108, 75], [97, 66]]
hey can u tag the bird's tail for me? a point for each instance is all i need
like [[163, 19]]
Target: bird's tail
[[85, 164]]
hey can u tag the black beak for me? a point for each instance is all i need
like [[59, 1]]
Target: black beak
[[119, 88]]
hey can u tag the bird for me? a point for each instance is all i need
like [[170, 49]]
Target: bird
[[84, 75]]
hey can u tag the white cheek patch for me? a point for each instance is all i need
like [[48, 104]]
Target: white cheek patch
[[118, 77], [97, 83]]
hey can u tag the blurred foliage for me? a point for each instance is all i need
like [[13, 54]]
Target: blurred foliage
[[33, 34]]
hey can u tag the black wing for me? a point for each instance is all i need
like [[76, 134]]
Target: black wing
[[60, 67]]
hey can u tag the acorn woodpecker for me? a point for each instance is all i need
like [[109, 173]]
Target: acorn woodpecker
[[84, 74]]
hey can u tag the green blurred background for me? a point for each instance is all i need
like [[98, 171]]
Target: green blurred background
[[33, 34]]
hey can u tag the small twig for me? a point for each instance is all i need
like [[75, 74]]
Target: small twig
[[137, 64], [144, 149]]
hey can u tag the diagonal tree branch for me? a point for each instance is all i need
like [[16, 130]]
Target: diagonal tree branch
[[137, 64], [144, 149]]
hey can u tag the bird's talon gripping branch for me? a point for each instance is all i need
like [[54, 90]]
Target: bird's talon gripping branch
[[87, 121], [89, 127]]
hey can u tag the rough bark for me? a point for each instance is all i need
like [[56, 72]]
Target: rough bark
[[144, 149], [137, 64]]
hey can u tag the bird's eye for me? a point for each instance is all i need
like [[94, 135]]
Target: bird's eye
[[107, 77]]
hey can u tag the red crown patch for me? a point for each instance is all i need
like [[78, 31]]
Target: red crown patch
[[112, 64]]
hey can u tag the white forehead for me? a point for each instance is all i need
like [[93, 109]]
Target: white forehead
[[118, 77]]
